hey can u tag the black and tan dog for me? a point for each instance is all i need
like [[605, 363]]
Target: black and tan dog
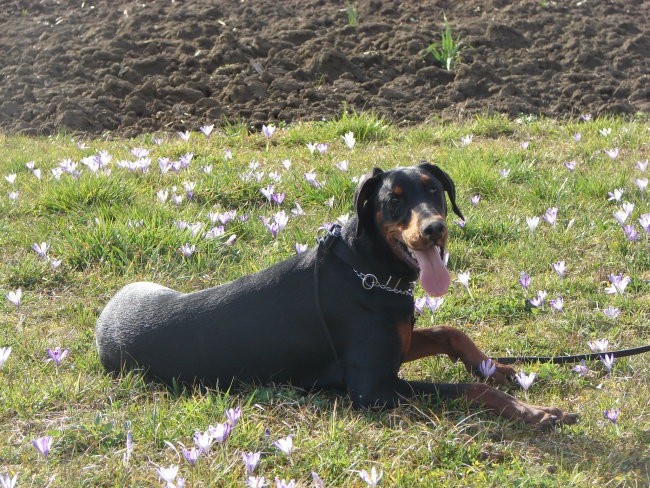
[[338, 316]]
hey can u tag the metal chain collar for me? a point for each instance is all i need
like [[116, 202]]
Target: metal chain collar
[[370, 281]]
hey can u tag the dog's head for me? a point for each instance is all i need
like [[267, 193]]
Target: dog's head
[[407, 208]]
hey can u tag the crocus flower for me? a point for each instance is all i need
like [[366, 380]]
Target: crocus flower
[[192, 455], [321, 147], [487, 367], [343, 165], [615, 195], [532, 223], [185, 136], [557, 304], [168, 475], [11, 178], [220, 432], [285, 445], [267, 192], [203, 441], [463, 279], [560, 268], [460, 223], [371, 479], [282, 483], [612, 153], [4, 355], [311, 178], [586, 117], [57, 355], [162, 195], [538, 301], [301, 248], [311, 146], [278, 198], [297, 210], [524, 280], [611, 312], [43, 445], [41, 249], [189, 188], [466, 140], [641, 183], [185, 160], [612, 414], [504, 172], [581, 368], [7, 482], [268, 130], [207, 130], [13, 196], [187, 249], [286, 163], [599, 345], [644, 220], [551, 215], [619, 283], [432, 303], [250, 461], [525, 380], [642, 165], [577, 136], [14, 297], [349, 140], [605, 132], [233, 415], [570, 165], [631, 233], [475, 199], [621, 216], [608, 361], [524, 145], [256, 482], [318, 482]]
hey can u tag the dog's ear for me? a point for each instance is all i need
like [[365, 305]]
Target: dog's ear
[[447, 184], [368, 185]]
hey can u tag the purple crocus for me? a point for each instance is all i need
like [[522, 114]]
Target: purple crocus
[[608, 361], [586, 117], [641, 183], [644, 221], [642, 165], [15, 297], [611, 312], [192, 455], [278, 198], [187, 250], [612, 414], [207, 130], [203, 441], [7, 482], [371, 479], [301, 248], [581, 368], [612, 153], [168, 475], [487, 367], [318, 482], [220, 432], [311, 178], [557, 304], [233, 415], [41, 249], [268, 130], [285, 445], [250, 461], [282, 483], [577, 136], [57, 354], [432, 303], [551, 215], [570, 165], [532, 223], [256, 482], [43, 445], [475, 199], [524, 280], [631, 233], [343, 165], [618, 284], [560, 268], [466, 140], [538, 301], [321, 147], [184, 136], [599, 345], [525, 380]]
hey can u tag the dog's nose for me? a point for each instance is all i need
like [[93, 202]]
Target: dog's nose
[[434, 229]]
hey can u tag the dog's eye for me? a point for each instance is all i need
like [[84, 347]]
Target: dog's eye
[[394, 201], [433, 191]]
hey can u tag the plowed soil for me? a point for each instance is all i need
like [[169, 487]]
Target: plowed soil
[[130, 67]]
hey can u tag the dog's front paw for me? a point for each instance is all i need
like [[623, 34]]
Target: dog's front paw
[[503, 374]]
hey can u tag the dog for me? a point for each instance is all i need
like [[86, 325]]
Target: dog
[[338, 316]]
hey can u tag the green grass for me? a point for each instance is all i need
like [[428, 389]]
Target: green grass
[[110, 230]]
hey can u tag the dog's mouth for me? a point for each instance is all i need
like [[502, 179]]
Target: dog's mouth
[[429, 263]]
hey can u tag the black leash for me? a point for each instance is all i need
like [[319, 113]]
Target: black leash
[[573, 359]]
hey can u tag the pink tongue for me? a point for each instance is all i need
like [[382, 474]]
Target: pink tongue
[[434, 276]]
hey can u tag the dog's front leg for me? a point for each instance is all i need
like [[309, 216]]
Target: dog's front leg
[[455, 344], [491, 399]]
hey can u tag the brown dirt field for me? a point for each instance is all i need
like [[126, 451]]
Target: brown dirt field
[[129, 67]]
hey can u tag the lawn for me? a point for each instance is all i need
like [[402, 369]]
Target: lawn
[[187, 212]]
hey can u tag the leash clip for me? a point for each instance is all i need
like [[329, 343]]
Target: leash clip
[[369, 281]]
